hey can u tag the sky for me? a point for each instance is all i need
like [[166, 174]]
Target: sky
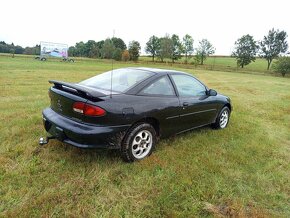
[[222, 22]]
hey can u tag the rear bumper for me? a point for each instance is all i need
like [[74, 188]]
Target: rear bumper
[[81, 134]]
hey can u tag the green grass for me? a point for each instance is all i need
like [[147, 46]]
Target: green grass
[[243, 170], [222, 63]]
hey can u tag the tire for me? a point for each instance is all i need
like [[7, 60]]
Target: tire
[[138, 143], [222, 119]]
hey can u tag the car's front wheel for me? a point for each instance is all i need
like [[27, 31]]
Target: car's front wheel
[[223, 118], [139, 142]]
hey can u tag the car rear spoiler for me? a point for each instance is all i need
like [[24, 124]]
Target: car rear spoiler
[[83, 91]]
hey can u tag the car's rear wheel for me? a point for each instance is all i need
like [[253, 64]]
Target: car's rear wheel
[[223, 118], [139, 142]]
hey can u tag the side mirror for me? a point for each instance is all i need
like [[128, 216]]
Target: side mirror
[[212, 92]]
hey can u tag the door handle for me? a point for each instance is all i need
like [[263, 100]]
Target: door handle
[[185, 104]]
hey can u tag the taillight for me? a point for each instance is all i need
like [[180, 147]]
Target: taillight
[[92, 110], [79, 107], [87, 109]]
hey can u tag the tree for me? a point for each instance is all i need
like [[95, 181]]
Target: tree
[[80, 49], [125, 55], [176, 48], [91, 49], [10, 48], [119, 43], [100, 45], [32, 50], [134, 50], [12, 51], [166, 47], [4, 48], [187, 42], [153, 46], [72, 51], [108, 49], [282, 65], [245, 50], [204, 49], [117, 54], [273, 45], [196, 60], [19, 49]]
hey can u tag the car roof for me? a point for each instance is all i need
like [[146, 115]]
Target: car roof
[[159, 71]]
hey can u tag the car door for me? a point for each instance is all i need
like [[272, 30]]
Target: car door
[[196, 107], [160, 99]]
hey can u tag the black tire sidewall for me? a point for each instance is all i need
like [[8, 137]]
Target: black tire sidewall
[[126, 147]]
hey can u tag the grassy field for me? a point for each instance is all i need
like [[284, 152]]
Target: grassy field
[[243, 170], [228, 64]]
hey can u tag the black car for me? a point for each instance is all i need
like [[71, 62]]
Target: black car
[[130, 109]]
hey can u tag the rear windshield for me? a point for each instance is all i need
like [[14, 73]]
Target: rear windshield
[[122, 79]]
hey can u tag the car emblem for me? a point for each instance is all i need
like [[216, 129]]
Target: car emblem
[[59, 105]]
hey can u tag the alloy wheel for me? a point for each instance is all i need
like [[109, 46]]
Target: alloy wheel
[[224, 118], [142, 144]]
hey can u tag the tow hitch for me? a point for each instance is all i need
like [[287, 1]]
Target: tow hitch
[[44, 141]]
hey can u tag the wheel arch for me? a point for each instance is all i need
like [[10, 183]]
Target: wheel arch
[[221, 107], [152, 121], [229, 106]]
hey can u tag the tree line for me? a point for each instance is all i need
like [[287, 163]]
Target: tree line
[[163, 48], [17, 49], [111, 48], [246, 50], [173, 48]]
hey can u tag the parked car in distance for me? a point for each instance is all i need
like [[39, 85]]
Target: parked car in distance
[[130, 109]]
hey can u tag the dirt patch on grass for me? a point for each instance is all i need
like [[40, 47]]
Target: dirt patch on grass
[[153, 161], [250, 91], [234, 210], [286, 110], [287, 97]]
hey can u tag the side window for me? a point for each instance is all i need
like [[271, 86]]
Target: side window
[[188, 86], [161, 86]]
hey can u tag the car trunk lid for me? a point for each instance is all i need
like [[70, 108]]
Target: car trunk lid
[[64, 95]]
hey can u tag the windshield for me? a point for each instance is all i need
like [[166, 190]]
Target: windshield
[[122, 79]]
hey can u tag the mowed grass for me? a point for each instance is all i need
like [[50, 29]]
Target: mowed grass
[[243, 170]]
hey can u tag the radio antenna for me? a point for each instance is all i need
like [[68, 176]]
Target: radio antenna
[[112, 69]]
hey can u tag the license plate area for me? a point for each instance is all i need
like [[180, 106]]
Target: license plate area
[[54, 130]]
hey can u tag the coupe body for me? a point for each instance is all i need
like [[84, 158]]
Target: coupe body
[[131, 108]]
